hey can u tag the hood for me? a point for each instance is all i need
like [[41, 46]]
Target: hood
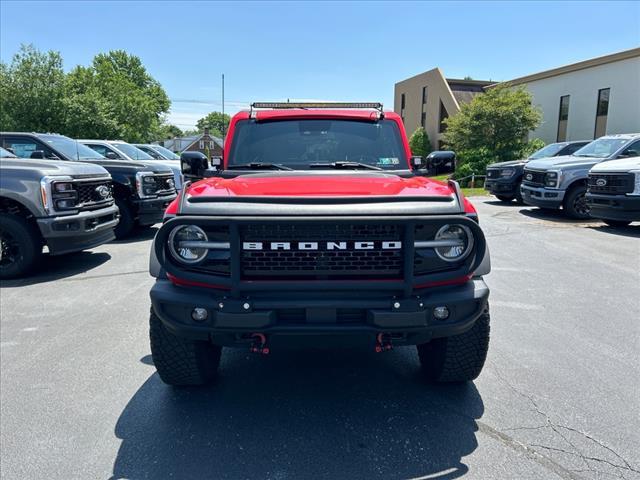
[[308, 184], [146, 166], [511, 163], [622, 165], [564, 161], [54, 167]]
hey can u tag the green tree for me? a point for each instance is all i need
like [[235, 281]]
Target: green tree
[[166, 131], [419, 143], [217, 122], [493, 126], [114, 98], [32, 91]]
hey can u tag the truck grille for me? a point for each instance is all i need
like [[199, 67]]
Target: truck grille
[[533, 177], [611, 183], [349, 263], [165, 184], [90, 196]]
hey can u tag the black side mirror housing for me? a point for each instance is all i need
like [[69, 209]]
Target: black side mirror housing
[[195, 165], [111, 156], [37, 154]]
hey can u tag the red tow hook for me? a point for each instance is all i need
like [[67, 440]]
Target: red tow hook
[[259, 345], [383, 342]]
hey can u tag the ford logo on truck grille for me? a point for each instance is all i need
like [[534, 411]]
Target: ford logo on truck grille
[[103, 191], [528, 176], [364, 245], [601, 182]]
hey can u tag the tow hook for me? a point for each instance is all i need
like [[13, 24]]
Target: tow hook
[[383, 342], [259, 344]]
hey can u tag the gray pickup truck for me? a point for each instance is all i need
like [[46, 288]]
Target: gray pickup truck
[[562, 181], [66, 206]]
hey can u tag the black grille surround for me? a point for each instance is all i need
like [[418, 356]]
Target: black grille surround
[[611, 183], [398, 272], [537, 177]]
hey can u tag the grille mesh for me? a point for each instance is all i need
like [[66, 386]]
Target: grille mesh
[[88, 196], [162, 182], [537, 178], [614, 183]]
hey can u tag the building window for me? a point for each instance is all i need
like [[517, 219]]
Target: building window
[[563, 118], [423, 120], [443, 116], [424, 95], [201, 144], [602, 111], [402, 105], [423, 115]]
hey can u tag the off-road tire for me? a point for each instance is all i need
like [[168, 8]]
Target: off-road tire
[[127, 222], [505, 198], [575, 203], [21, 239], [179, 361], [519, 199], [459, 358], [617, 223]]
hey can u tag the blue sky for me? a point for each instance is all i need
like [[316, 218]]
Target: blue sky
[[326, 51]]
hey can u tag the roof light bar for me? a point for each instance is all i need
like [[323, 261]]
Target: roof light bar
[[337, 105]]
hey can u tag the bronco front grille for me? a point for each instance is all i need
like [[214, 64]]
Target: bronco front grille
[[347, 263], [611, 183], [533, 177]]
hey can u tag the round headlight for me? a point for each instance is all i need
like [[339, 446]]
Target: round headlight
[[461, 242], [178, 238]]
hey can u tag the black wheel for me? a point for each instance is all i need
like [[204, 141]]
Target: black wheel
[[180, 361], [504, 198], [575, 203], [617, 223], [20, 246], [459, 358], [127, 222], [519, 199]]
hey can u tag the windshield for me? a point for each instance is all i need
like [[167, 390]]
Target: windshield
[[165, 152], [71, 149], [302, 144], [548, 151], [6, 153], [601, 148], [132, 152]]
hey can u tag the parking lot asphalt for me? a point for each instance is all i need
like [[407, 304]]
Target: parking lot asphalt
[[559, 396]]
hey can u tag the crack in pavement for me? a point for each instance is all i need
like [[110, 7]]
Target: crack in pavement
[[625, 466], [106, 275]]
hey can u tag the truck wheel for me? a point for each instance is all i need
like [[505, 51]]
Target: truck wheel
[[126, 222], [180, 361], [575, 203], [519, 199], [617, 223], [20, 246], [504, 198], [459, 358]]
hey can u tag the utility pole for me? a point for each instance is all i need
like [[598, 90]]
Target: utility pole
[[224, 129]]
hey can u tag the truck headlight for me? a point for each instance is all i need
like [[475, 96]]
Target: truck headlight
[[459, 242], [146, 184], [179, 240], [507, 172], [636, 187], [552, 179]]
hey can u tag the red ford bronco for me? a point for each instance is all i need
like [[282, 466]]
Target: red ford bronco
[[317, 227]]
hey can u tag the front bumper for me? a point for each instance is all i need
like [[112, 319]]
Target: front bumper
[[290, 318], [541, 196], [82, 231], [151, 211], [614, 207], [507, 187]]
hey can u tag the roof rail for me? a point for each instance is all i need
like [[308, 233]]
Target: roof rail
[[316, 105]]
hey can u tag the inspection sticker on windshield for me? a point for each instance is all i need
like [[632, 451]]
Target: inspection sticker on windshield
[[388, 161]]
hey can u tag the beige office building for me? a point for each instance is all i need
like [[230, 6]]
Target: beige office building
[[427, 99], [581, 101]]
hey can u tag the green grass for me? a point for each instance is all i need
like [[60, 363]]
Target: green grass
[[468, 192]]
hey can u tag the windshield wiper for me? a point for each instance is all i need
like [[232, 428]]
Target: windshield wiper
[[345, 165], [258, 166]]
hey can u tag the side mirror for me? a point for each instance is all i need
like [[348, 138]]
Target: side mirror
[[417, 163], [37, 154], [111, 156], [194, 165]]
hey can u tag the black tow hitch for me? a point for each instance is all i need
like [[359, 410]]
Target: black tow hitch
[[259, 344], [383, 342]]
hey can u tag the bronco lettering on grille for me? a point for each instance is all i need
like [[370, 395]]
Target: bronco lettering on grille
[[371, 245]]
